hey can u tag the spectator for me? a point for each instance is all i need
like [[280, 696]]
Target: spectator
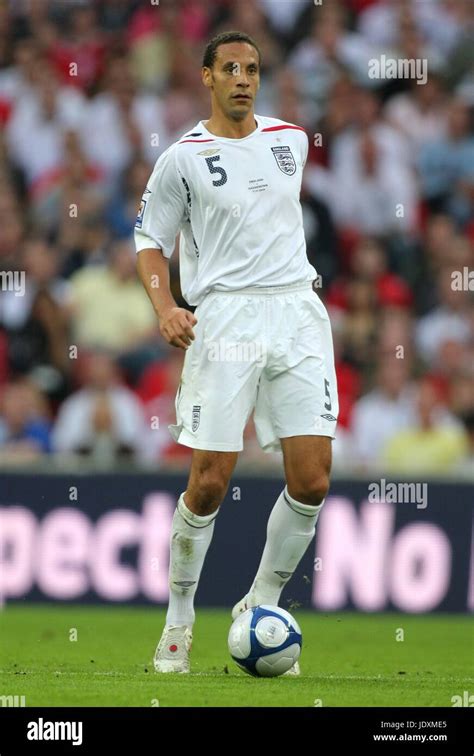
[[433, 442], [369, 261], [383, 412], [110, 309], [103, 420], [420, 114], [78, 56], [330, 47], [36, 323], [83, 243], [18, 80], [24, 423], [38, 124], [360, 325], [75, 191], [447, 167], [132, 121], [122, 210], [448, 320]]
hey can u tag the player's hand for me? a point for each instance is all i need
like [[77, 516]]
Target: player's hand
[[176, 327]]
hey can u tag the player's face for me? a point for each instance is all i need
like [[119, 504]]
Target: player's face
[[234, 79]]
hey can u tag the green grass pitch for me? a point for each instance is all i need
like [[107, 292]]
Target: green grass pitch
[[347, 660]]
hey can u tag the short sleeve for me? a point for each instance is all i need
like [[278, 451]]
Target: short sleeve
[[305, 150], [162, 208]]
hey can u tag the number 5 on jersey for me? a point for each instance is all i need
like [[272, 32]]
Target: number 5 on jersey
[[216, 169]]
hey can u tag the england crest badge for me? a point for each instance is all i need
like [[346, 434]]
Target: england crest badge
[[196, 417], [285, 160]]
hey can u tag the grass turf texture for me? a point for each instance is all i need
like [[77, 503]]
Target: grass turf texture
[[347, 660]]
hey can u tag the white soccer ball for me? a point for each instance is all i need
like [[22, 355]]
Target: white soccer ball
[[265, 641]]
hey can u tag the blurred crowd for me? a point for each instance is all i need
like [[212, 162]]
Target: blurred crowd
[[91, 93]]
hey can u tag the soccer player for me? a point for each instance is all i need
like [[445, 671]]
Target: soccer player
[[259, 338]]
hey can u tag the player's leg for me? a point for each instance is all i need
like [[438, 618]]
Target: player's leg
[[193, 527], [191, 534], [216, 396], [296, 411], [292, 522]]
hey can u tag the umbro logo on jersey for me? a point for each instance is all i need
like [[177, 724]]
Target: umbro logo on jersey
[[196, 417], [285, 160], [208, 153], [329, 417], [283, 575]]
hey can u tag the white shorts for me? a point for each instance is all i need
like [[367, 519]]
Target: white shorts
[[268, 349]]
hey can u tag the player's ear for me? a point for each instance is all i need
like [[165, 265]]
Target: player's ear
[[206, 76]]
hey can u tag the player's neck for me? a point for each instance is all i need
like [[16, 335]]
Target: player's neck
[[223, 127]]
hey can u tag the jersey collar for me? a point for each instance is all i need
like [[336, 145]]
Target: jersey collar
[[231, 139]]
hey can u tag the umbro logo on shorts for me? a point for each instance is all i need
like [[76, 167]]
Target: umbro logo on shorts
[[329, 417], [196, 417]]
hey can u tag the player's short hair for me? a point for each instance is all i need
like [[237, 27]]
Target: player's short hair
[[210, 53]]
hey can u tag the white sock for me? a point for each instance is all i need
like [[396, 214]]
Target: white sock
[[290, 530], [191, 535]]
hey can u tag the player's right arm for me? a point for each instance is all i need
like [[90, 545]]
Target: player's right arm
[[175, 322], [161, 213]]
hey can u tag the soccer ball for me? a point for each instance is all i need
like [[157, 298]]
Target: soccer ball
[[265, 641]]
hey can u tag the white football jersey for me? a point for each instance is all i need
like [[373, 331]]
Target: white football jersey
[[236, 205]]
